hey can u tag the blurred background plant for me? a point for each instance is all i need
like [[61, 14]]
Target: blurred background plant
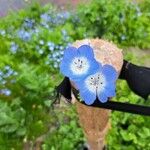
[[32, 42]]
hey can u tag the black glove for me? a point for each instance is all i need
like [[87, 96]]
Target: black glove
[[137, 77]]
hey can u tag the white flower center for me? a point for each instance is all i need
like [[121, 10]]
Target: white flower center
[[95, 83], [79, 65]]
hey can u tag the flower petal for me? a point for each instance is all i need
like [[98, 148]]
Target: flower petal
[[109, 72], [70, 53], [94, 67], [111, 90], [64, 65], [88, 97], [102, 97], [86, 50]]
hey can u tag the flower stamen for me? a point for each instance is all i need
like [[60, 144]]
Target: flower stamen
[[79, 65], [95, 83]]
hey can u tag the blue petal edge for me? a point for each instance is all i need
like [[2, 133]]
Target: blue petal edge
[[102, 97], [64, 68], [88, 97], [109, 72], [70, 53], [87, 51]]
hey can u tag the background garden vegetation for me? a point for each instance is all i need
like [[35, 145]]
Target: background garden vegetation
[[32, 42]]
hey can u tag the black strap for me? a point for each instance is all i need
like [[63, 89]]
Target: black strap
[[118, 106]]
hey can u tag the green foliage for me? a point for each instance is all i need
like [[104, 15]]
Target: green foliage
[[12, 124], [12, 118], [128, 131], [31, 47], [68, 134], [123, 22]]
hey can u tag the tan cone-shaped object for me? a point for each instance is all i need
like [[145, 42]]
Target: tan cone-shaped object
[[95, 121]]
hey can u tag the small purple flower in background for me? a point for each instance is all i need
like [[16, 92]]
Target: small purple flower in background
[[61, 47], [101, 85], [123, 37], [58, 60], [65, 15], [36, 30], [46, 17], [3, 82], [6, 92], [8, 71], [51, 46], [56, 65], [64, 32], [2, 32], [41, 42], [50, 43], [13, 47], [1, 75], [41, 51], [24, 35], [61, 52], [54, 55], [78, 63], [28, 23], [45, 20]]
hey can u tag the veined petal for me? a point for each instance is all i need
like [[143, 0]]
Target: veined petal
[[70, 53], [88, 97], [110, 91], [109, 72], [86, 50], [86, 93], [80, 84], [94, 66], [64, 65], [102, 97]]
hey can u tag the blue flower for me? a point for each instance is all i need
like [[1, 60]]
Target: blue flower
[[41, 51], [46, 17], [2, 32], [24, 35], [28, 23], [123, 37], [100, 84], [41, 42], [78, 63], [6, 92], [56, 65], [14, 47], [51, 46]]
